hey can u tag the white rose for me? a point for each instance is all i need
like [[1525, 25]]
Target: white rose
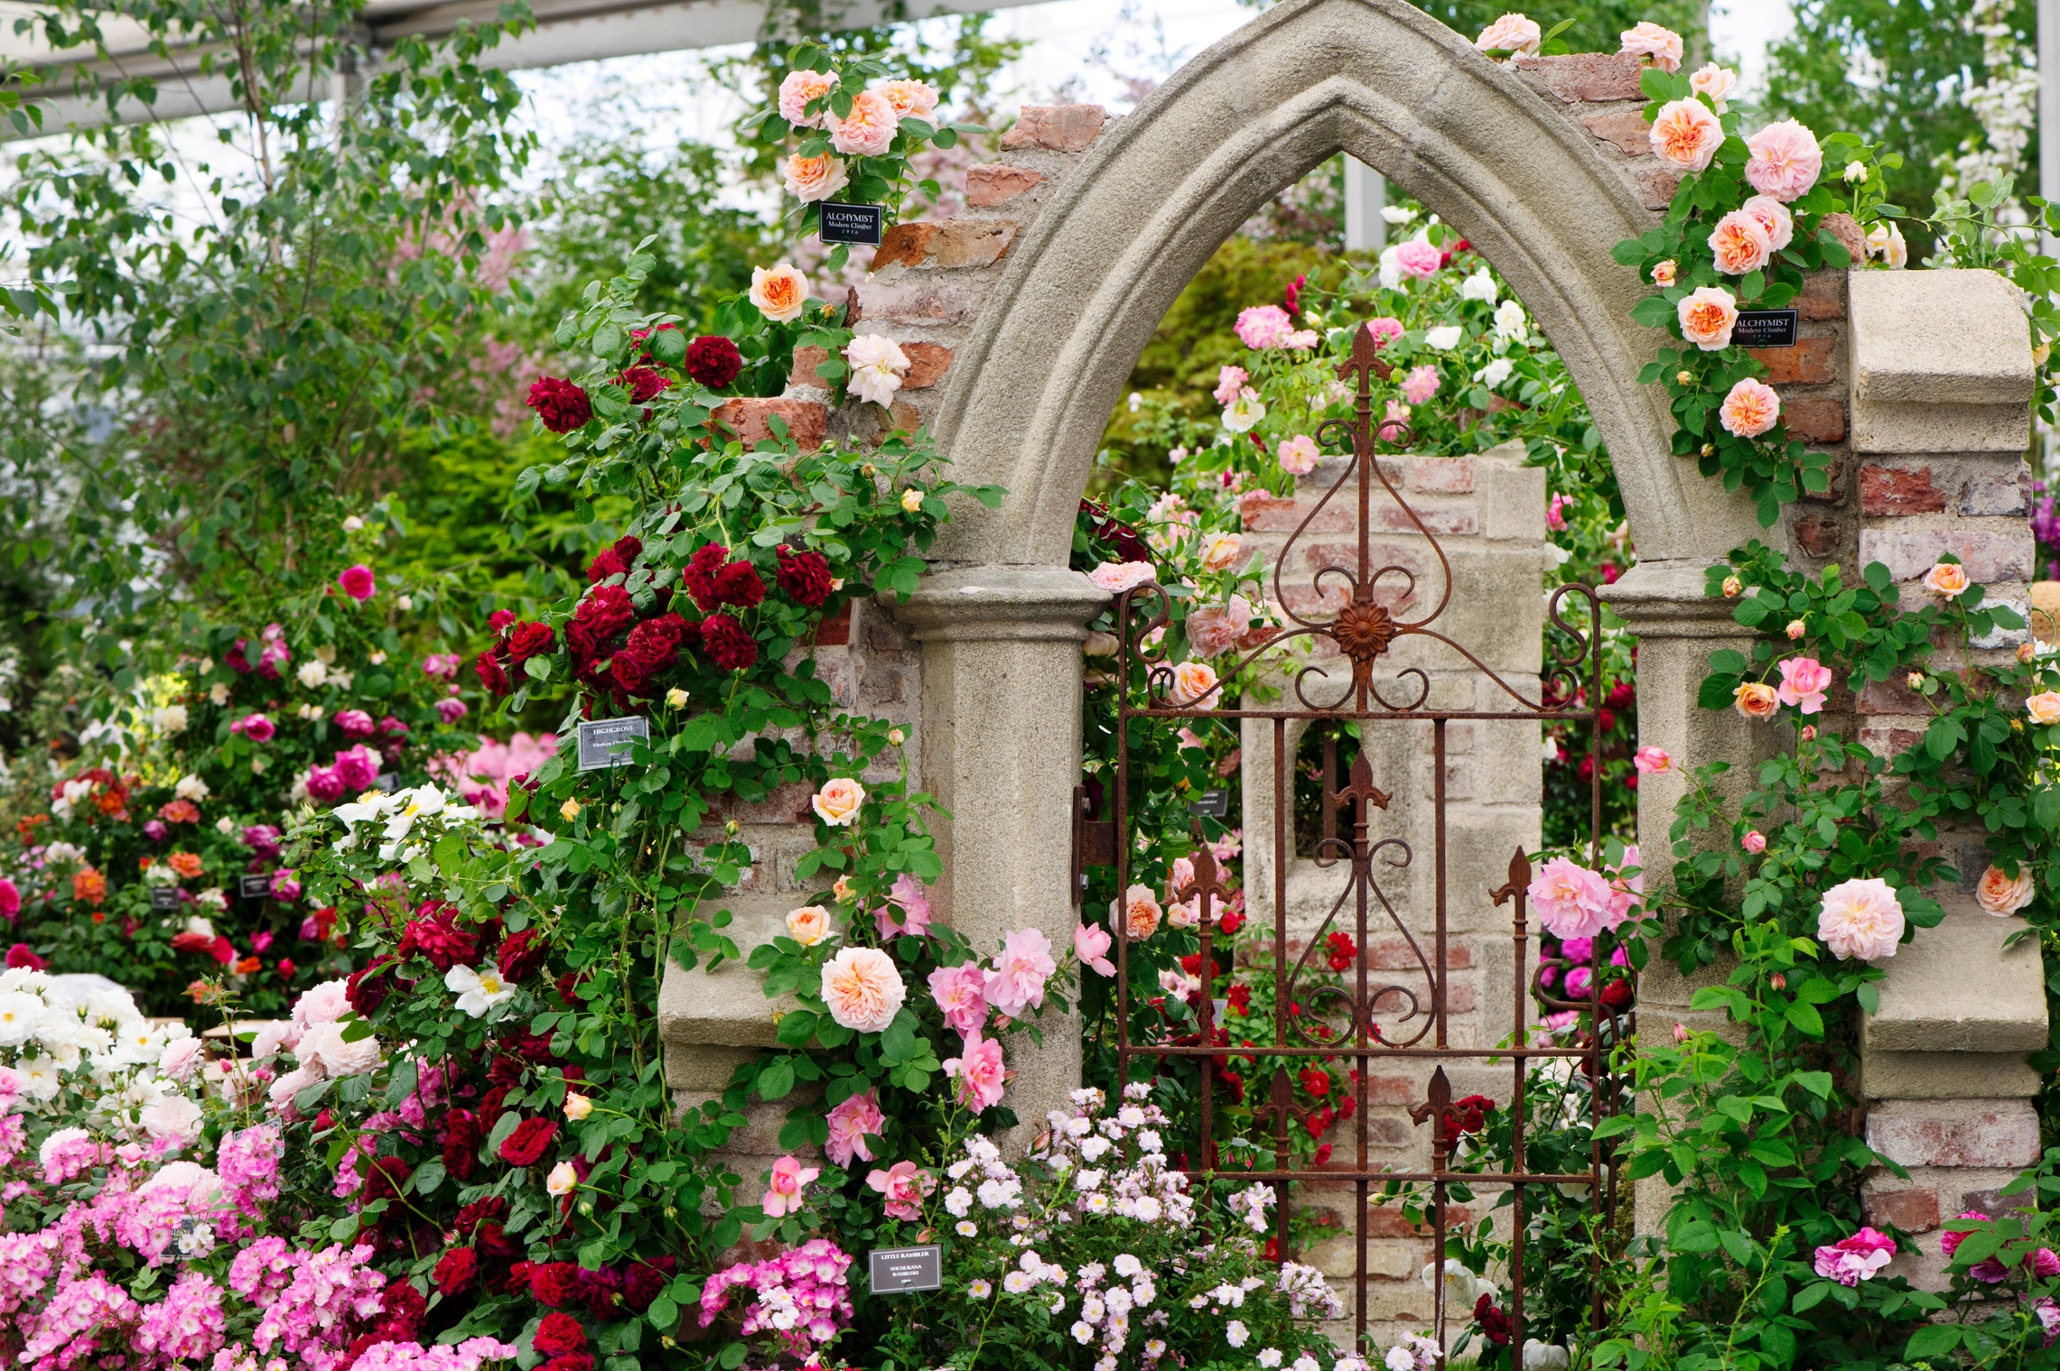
[[1510, 322], [312, 673], [1480, 286], [1495, 373], [191, 788], [1444, 338], [170, 719], [173, 1117]]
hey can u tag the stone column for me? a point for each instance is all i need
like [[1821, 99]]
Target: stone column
[[1001, 748]]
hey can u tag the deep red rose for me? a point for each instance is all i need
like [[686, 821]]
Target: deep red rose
[[369, 986], [571, 1361], [644, 384], [455, 1271], [401, 1307], [629, 674], [804, 575], [727, 643], [1316, 1081], [699, 573], [528, 640], [500, 619], [491, 675], [530, 1140], [643, 1283], [601, 1293], [568, 989], [504, 1072], [235, 658], [1494, 1323], [558, 1334], [605, 565], [489, 1210], [494, 1243], [384, 1179], [531, 1047], [1231, 922], [521, 955], [562, 405], [739, 584], [491, 1106], [554, 1283], [461, 1135], [606, 611], [713, 360], [1617, 994], [432, 934], [656, 642]]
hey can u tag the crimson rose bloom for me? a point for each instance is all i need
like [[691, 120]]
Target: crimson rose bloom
[[401, 1307], [461, 1135], [728, 645], [489, 1210], [713, 360], [571, 1361], [521, 955], [644, 384], [528, 640], [558, 1334], [631, 675], [554, 1283], [699, 573], [369, 986], [656, 642], [643, 1283], [738, 584], [500, 619], [491, 674], [804, 575], [606, 611], [492, 1105], [385, 1179], [531, 1138], [433, 935], [456, 1271], [562, 405]]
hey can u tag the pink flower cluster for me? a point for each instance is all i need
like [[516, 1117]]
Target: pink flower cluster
[[1264, 328], [468, 1355], [1852, 1260], [248, 1163], [482, 777], [802, 1296], [307, 1314], [351, 771]]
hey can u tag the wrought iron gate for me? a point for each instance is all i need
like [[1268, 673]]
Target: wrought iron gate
[[1390, 1017]]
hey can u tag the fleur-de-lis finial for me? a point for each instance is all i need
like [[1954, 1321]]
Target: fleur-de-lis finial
[[1365, 361]]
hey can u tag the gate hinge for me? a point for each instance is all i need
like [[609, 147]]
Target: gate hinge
[[1094, 842]]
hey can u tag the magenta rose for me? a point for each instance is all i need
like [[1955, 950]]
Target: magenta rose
[[355, 723], [357, 768], [357, 582], [324, 784], [255, 727]]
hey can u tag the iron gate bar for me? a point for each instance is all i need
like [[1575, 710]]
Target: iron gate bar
[[1362, 628]]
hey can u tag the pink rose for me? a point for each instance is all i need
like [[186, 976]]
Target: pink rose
[[1418, 258], [354, 723], [1663, 273], [1420, 384], [1264, 327], [1510, 33], [1686, 135], [839, 801], [450, 710], [1191, 682], [1803, 683], [1298, 455], [1653, 761], [961, 995], [1383, 328], [1948, 579], [1750, 409], [1659, 46], [979, 1070], [1117, 577], [1861, 918], [357, 582], [907, 911], [868, 131], [1740, 243], [1852, 1260], [1025, 964], [1140, 912], [863, 989], [255, 727], [797, 90], [1707, 315], [1215, 629], [1774, 217], [1785, 160], [1754, 841], [1715, 82], [1230, 382], [1091, 944], [1571, 901], [784, 1185], [356, 768], [853, 1124], [902, 1184]]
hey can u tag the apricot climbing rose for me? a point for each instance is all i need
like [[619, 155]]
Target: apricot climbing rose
[[2003, 895], [1140, 912], [838, 801], [1715, 82], [1740, 243], [1191, 681], [809, 924], [814, 178], [863, 989], [1117, 577], [911, 98], [1657, 45], [1750, 409], [1774, 217], [1785, 160], [1756, 700], [868, 130], [1707, 315], [797, 90], [1686, 134], [1947, 578], [1510, 33], [780, 292], [1861, 918], [2044, 707]]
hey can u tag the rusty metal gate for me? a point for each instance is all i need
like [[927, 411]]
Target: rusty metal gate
[[1390, 1016]]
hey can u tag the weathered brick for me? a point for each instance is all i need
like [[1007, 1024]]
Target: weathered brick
[[1891, 697], [904, 416], [1889, 740], [1956, 1134], [1459, 520], [1997, 495], [1914, 1210], [1846, 230], [913, 300], [1269, 515], [835, 631], [1899, 490], [1806, 362], [1626, 129], [1990, 554], [1061, 128], [908, 244], [927, 363], [1394, 954], [751, 420], [806, 359], [1405, 1091], [972, 242], [990, 183], [1822, 296], [1587, 75], [1815, 418], [1817, 534], [1656, 187], [1442, 475]]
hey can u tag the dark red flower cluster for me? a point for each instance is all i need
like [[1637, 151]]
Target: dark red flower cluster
[[434, 933], [455, 1272], [369, 985], [644, 384], [528, 1143], [1343, 952], [562, 405], [1129, 544], [1494, 1323], [804, 575], [1468, 1115], [461, 1138], [559, 1333], [713, 360], [615, 559], [603, 1293], [521, 954]]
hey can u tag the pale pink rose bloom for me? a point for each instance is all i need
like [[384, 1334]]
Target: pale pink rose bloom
[[1686, 135], [797, 90], [1707, 315], [1659, 46], [1396, 416], [1774, 217], [1754, 842], [1861, 918], [1418, 258], [1298, 455], [1716, 82], [1183, 914], [181, 1057], [2003, 895], [907, 911], [902, 1184], [868, 131], [784, 1184], [1230, 381], [1510, 33], [1740, 243], [814, 178], [1215, 629], [961, 995], [1302, 339], [1016, 985], [1091, 943], [916, 99], [808, 925], [1140, 912], [1663, 274], [877, 366], [1263, 327], [1796, 629], [853, 1125], [1117, 577], [838, 802], [1803, 683], [863, 989], [1571, 900], [1220, 551], [1785, 160], [979, 1070], [1420, 384], [1653, 761], [1191, 682], [780, 292], [1947, 578], [1751, 408]]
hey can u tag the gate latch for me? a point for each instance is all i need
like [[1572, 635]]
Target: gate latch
[[1094, 842]]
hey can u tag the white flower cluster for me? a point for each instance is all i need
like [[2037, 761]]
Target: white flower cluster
[[321, 1043], [406, 820], [1309, 1294], [87, 1034], [999, 1186], [1414, 1353], [1105, 1310], [1141, 1189], [1250, 1205], [2007, 104]]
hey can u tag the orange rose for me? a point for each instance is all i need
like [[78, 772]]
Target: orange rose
[[1707, 316], [1750, 409], [185, 863], [809, 924], [2044, 707], [1191, 681], [780, 292], [1686, 135], [1947, 578], [815, 178], [89, 886], [838, 801], [1140, 912], [2003, 895], [1756, 700], [1741, 243]]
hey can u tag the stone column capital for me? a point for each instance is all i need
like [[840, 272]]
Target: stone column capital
[[1002, 603], [1669, 600]]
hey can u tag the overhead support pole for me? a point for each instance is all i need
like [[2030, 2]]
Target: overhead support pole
[[1366, 195], [2049, 111]]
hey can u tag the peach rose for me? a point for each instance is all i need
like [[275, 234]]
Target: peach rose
[[1659, 46], [1750, 409], [1510, 33], [1117, 577], [1220, 551], [809, 924], [868, 131], [1947, 578], [814, 178], [1663, 274], [1215, 629], [1191, 681], [910, 99], [1861, 918], [2044, 707], [1756, 700], [1140, 912], [797, 90], [838, 801], [1785, 160], [1686, 134], [2004, 895], [1715, 82], [1774, 218], [780, 292], [863, 989], [1740, 243], [1707, 316]]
